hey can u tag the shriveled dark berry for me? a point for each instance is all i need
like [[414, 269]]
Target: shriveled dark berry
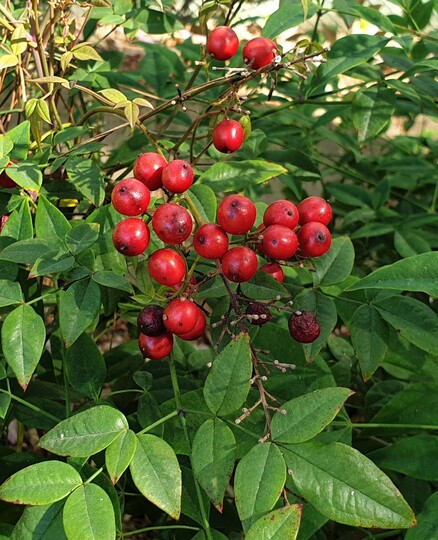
[[150, 321], [258, 313], [303, 326]]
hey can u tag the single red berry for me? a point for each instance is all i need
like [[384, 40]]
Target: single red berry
[[130, 197], [303, 326], [275, 270], [279, 242], [5, 181], [239, 264], [314, 239], [178, 176], [281, 212], [222, 43], [258, 313], [259, 52], [236, 214], [150, 321], [131, 237], [228, 136], [315, 209], [198, 330], [180, 315], [148, 168], [155, 347], [172, 223], [210, 241], [166, 266]]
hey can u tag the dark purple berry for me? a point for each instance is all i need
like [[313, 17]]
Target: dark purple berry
[[150, 321], [258, 313], [303, 326]]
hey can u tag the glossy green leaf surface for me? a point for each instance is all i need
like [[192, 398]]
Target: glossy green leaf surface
[[50, 223], [281, 524], [10, 293], [44, 520], [336, 264], [119, 454]]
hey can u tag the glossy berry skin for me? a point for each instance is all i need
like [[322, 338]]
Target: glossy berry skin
[[210, 241], [314, 239], [239, 264], [172, 223], [130, 197], [5, 181], [198, 330], [303, 326], [131, 237], [236, 214], [180, 316], [279, 242], [177, 176], [156, 347], [150, 321], [281, 212], [166, 266], [259, 52], [274, 269], [222, 43], [228, 136], [259, 314], [148, 168], [315, 209]]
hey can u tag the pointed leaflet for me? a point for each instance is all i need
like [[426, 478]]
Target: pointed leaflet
[[260, 477], [281, 524], [23, 336], [347, 487], [371, 111], [427, 521], [81, 237], [41, 483], [156, 473], [119, 454], [87, 178], [24, 251], [204, 199], [50, 224], [227, 385], [213, 455], [85, 433], [96, 512], [336, 265], [46, 519], [19, 224], [10, 293], [308, 415]]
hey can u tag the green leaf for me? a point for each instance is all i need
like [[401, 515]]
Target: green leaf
[[85, 367], [52, 262], [85, 52], [409, 243], [97, 519], [23, 336], [6, 145], [156, 473], [369, 335], [41, 483], [24, 251], [113, 95], [240, 175], [85, 433], [414, 320], [107, 278], [20, 136], [281, 524], [259, 479], [427, 521], [78, 308], [50, 224], [19, 224], [374, 16], [10, 293], [371, 111], [87, 178], [336, 265], [289, 14], [308, 415], [204, 199], [346, 487], [8, 60], [227, 385], [44, 521], [119, 454], [82, 237], [417, 273], [26, 175], [213, 455], [263, 287]]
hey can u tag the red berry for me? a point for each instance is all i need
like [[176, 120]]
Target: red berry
[[172, 223], [281, 212], [303, 326], [5, 181], [198, 330], [210, 241], [228, 136], [150, 321], [177, 176], [222, 43], [166, 266], [155, 347], [275, 270], [236, 214], [314, 239], [239, 264], [258, 313], [131, 237], [3, 221], [180, 316], [315, 209], [259, 52], [279, 242], [130, 197], [148, 169]]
